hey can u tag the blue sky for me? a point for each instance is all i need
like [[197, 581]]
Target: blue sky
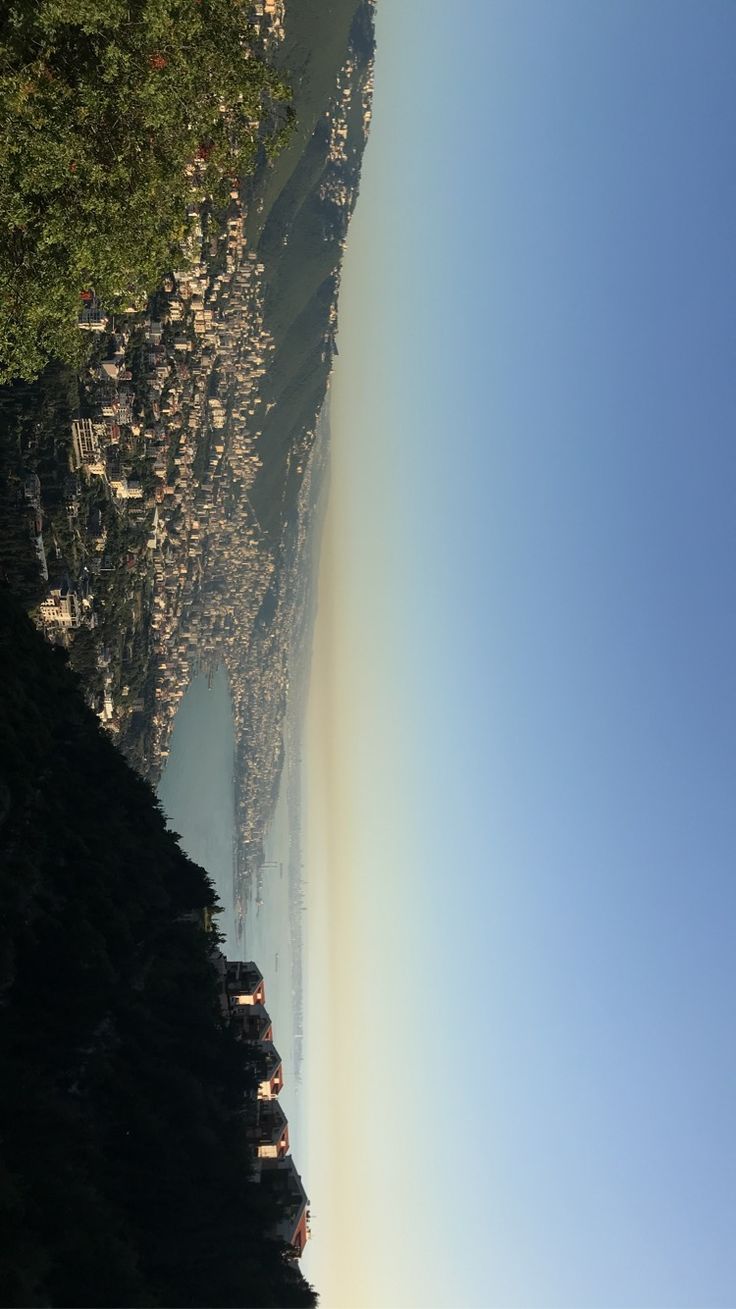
[[525, 707]]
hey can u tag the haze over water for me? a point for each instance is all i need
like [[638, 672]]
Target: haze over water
[[196, 791]]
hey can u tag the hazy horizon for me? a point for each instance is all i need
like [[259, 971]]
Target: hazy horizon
[[520, 733], [522, 718]]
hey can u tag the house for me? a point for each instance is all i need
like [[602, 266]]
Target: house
[[244, 983], [270, 1134], [125, 489], [252, 1022], [109, 370], [269, 1069], [285, 1185]]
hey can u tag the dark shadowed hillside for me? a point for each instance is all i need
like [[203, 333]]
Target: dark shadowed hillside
[[124, 1173]]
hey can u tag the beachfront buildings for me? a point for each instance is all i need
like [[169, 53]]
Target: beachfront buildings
[[270, 1134], [269, 1069], [252, 1022]]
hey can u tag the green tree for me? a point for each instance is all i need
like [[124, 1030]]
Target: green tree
[[114, 117]]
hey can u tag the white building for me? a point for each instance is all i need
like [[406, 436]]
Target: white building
[[86, 447], [61, 609]]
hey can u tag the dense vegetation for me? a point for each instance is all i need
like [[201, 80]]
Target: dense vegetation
[[104, 105], [35, 422], [124, 1179]]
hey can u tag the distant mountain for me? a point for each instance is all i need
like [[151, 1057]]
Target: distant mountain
[[298, 209], [297, 214]]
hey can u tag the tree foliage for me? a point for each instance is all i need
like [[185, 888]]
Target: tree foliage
[[105, 107]]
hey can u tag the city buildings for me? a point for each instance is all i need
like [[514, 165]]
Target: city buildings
[[61, 610], [86, 449]]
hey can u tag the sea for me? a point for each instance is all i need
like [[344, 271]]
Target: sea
[[196, 792]]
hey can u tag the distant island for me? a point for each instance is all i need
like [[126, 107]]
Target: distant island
[[144, 1159]]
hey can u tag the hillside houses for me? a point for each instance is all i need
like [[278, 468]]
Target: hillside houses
[[243, 998]]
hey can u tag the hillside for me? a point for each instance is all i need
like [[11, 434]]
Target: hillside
[[124, 1173]]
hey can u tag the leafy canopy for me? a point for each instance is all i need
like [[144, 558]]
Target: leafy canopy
[[105, 106]]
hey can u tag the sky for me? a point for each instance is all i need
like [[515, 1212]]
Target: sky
[[521, 1066]]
